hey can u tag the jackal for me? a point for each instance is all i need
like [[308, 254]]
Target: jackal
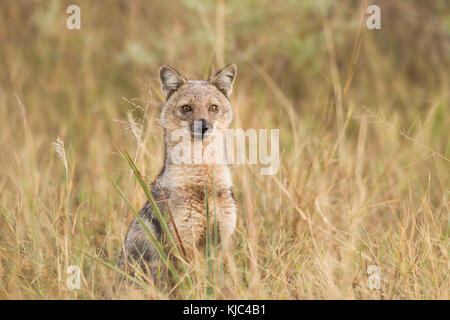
[[197, 108]]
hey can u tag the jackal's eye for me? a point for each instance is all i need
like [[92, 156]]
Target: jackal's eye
[[186, 108], [213, 108]]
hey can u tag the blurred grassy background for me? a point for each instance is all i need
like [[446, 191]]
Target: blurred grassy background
[[363, 117]]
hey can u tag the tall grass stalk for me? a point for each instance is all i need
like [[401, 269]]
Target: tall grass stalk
[[164, 226], [209, 276], [158, 246]]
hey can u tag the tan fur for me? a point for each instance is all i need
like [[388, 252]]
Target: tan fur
[[181, 187]]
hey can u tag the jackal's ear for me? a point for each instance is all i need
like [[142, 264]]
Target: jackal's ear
[[170, 80], [224, 79]]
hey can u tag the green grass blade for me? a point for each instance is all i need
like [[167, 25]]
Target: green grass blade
[[216, 232], [116, 269], [159, 216], [150, 198], [151, 237], [209, 287]]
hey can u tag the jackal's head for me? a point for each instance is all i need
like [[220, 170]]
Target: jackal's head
[[194, 105]]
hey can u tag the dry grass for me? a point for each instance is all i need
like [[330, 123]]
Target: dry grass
[[363, 118]]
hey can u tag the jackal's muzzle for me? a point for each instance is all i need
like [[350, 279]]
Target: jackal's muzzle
[[201, 129]]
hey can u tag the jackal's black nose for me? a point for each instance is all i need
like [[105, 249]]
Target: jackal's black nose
[[200, 127]]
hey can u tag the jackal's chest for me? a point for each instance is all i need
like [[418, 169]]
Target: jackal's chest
[[197, 194], [193, 209], [198, 185], [194, 202]]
